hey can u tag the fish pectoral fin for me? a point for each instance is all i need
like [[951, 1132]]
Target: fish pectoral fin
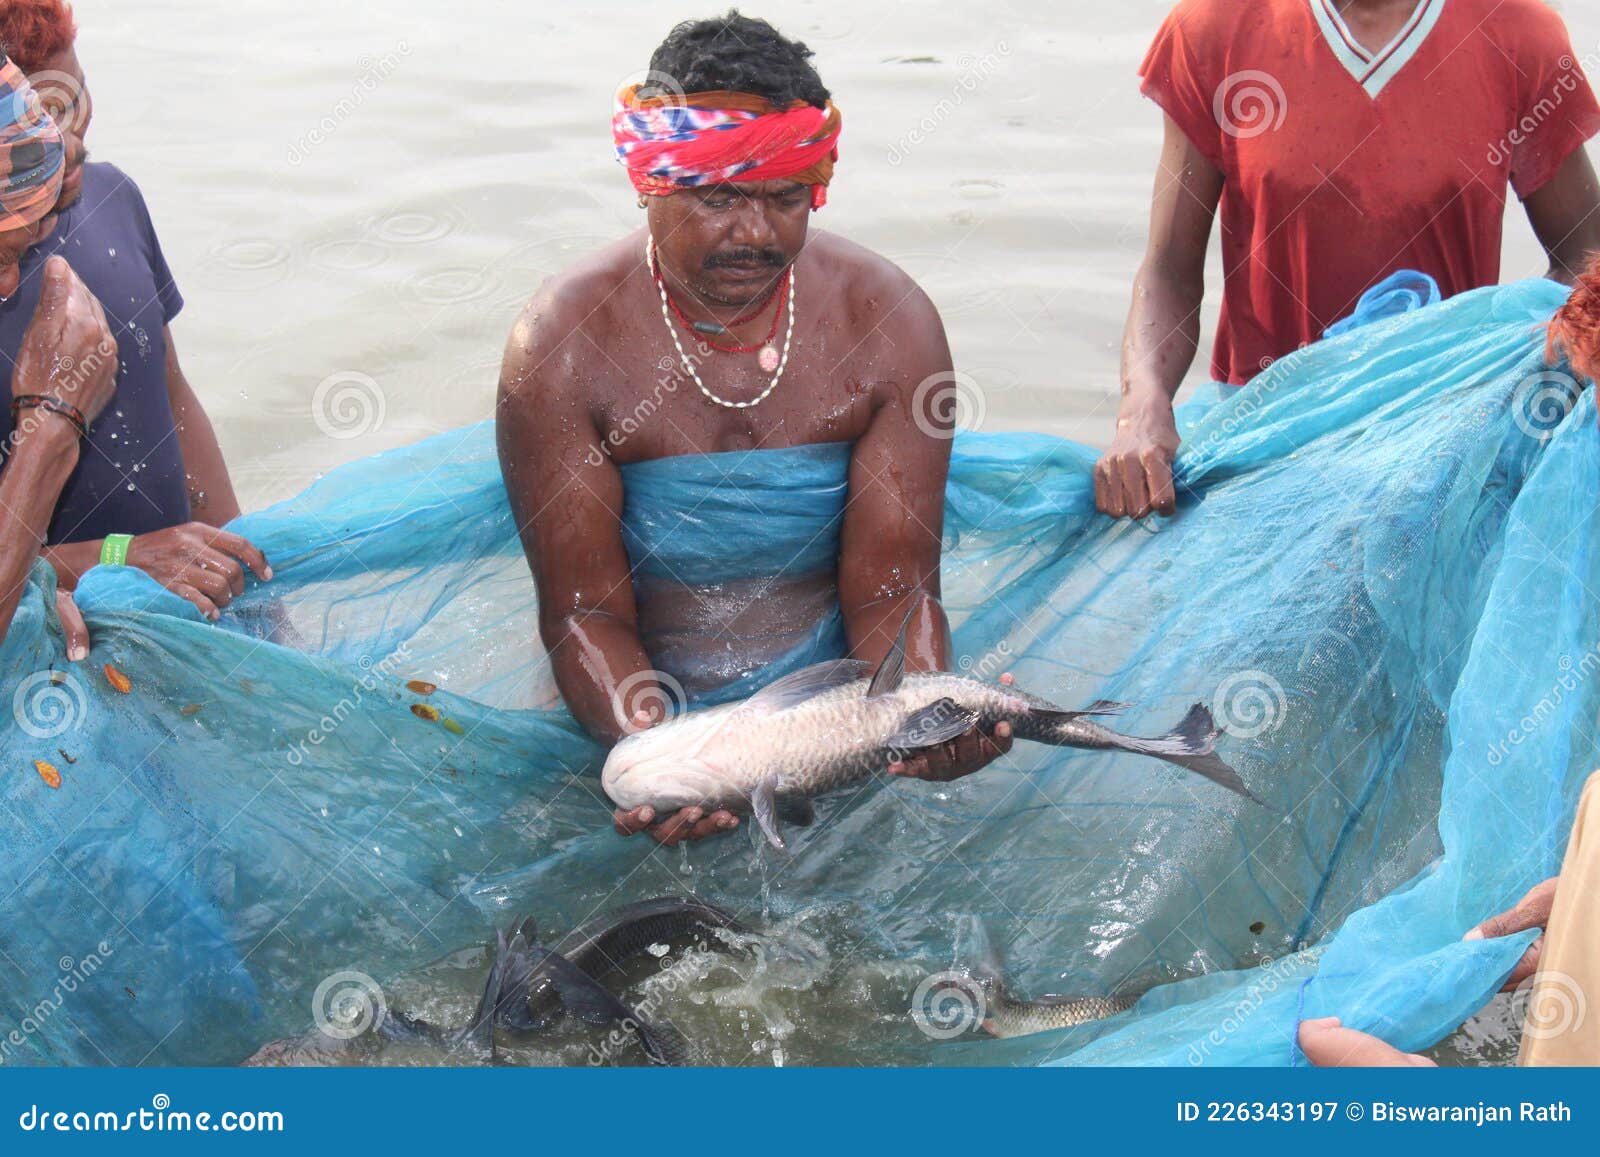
[[939, 721], [581, 995], [796, 810], [764, 806]]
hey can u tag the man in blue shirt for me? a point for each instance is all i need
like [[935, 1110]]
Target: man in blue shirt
[[150, 488]]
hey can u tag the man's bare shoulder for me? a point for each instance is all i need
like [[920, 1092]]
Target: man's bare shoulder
[[583, 295], [877, 292]]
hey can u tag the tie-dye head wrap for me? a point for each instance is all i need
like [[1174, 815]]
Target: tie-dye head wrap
[[676, 142], [31, 152]]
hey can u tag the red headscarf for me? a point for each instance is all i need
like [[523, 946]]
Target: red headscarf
[[676, 142]]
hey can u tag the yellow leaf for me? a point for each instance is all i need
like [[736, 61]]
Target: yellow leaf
[[421, 687], [47, 772], [118, 680], [424, 711]]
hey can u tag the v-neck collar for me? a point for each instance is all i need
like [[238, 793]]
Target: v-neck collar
[[1374, 70]]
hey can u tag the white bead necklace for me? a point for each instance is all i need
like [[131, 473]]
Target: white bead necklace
[[666, 316]]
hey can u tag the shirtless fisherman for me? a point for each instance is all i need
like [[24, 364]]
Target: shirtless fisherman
[[728, 176]]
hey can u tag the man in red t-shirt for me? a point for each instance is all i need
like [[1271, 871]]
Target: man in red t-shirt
[[1344, 140]]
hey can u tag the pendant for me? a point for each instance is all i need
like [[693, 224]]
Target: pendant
[[767, 359]]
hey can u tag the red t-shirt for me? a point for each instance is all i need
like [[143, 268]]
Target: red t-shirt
[[1343, 166]]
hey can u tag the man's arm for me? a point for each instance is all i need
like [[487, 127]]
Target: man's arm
[[211, 496], [1159, 341], [893, 530], [1565, 215], [67, 354], [42, 458], [566, 497]]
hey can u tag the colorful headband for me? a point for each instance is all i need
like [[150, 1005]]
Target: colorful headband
[[31, 152], [675, 142]]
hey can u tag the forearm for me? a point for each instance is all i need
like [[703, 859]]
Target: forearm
[[603, 672], [1161, 337], [72, 560], [874, 605], [211, 497], [41, 461]]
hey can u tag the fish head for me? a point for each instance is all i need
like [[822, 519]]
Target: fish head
[[667, 767]]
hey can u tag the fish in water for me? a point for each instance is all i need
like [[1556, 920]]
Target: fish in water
[[838, 722], [982, 988], [529, 986]]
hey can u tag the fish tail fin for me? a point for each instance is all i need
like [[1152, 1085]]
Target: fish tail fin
[[1191, 745], [510, 972]]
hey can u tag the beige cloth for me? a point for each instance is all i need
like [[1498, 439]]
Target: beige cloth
[[1559, 1026]]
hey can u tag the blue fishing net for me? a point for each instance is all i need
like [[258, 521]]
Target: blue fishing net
[[1379, 577]]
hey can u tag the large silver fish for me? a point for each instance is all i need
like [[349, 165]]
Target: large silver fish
[[839, 722]]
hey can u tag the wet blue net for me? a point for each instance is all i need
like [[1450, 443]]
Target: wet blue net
[[1380, 577]]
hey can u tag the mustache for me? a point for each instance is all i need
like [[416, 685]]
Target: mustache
[[746, 255]]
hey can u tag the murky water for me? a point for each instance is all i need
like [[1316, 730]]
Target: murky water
[[356, 199]]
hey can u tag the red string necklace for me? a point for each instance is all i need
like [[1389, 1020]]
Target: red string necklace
[[779, 291]]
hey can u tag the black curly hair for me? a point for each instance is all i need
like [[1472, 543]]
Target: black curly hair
[[737, 53]]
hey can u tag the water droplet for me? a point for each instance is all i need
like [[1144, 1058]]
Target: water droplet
[[111, 252]]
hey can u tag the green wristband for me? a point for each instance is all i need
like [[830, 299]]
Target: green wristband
[[114, 549]]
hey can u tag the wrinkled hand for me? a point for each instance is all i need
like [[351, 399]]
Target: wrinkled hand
[[1134, 477], [690, 823], [67, 350], [203, 564], [1532, 911], [1328, 1044], [72, 626]]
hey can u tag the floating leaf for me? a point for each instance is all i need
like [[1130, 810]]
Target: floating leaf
[[47, 772], [424, 711], [453, 727], [421, 687], [189, 709], [118, 680]]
